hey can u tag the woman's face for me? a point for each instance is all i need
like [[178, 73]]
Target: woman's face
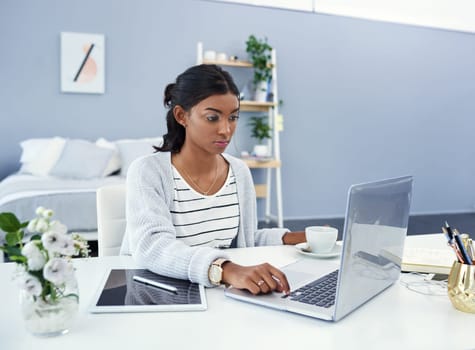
[[211, 123]]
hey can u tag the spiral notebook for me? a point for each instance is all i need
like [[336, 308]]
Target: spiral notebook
[[124, 290]]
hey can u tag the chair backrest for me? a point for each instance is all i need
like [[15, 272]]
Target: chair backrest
[[110, 219]]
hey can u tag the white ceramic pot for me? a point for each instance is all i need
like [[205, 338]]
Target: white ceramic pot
[[261, 151], [261, 92]]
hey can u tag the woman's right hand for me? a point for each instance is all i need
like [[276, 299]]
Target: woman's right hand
[[263, 278]]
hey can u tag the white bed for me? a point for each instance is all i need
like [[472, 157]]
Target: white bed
[[72, 200], [63, 175]]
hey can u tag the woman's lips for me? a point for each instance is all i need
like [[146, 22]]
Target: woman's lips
[[222, 143]]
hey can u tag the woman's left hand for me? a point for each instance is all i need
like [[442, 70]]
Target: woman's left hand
[[293, 238]]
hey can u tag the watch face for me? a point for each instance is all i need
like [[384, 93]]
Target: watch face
[[215, 274]]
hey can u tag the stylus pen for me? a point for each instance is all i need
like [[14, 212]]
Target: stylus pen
[[155, 284]]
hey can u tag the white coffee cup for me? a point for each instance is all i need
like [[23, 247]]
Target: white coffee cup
[[321, 239]]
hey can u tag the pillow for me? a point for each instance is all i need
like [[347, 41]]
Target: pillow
[[114, 163], [40, 155], [131, 149], [82, 159]]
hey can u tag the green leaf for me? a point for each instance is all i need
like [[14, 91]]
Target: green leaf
[[35, 238], [24, 224], [12, 251], [18, 258], [9, 222], [13, 238]]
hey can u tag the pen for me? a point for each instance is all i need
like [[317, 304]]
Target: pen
[[458, 242], [449, 232], [451, 243], [155, 284], [470, 249]]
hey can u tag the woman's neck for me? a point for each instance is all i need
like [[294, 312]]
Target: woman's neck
[[196, 163], [205, 174]]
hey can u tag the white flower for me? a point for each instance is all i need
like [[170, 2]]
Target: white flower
[[39, 211], [67, 246], [57, 271], [32, 225], [30, 284], [57, 227], [36, 259], [38, 225], [53, 241], [47, 213]]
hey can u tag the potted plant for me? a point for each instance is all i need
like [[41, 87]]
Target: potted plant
[[260, 56], [260, 130]]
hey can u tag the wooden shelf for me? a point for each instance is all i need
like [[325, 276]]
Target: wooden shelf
[[261, 190], [228, 63], [272, 163], [254, 106]]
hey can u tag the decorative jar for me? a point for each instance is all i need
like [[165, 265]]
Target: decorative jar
[[461, 287]]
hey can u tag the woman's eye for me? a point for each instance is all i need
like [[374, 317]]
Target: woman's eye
[[234, 118], [212, 118]]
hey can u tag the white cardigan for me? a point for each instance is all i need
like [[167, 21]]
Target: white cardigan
[[150, 235]]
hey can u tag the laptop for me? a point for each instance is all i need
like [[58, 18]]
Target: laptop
[[376, 220]]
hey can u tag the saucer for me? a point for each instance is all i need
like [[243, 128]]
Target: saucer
[[302, 248]]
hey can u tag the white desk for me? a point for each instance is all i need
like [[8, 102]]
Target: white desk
[[396, 319]]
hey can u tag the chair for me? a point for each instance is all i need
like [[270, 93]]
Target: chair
[[110, 219]]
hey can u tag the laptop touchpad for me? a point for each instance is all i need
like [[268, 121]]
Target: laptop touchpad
[[304, 271]]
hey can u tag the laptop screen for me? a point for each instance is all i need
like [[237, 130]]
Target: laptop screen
[[376, 221]]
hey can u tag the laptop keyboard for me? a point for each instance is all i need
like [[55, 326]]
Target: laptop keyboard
[[320, 292]]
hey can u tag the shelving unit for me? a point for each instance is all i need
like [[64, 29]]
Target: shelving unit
[[274, 164]]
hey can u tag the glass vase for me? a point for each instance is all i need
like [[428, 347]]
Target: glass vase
[[47, 318]]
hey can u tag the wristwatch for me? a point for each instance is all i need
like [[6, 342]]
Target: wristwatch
[[215, 272]]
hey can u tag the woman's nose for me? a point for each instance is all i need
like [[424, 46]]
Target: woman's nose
[[224, 127]]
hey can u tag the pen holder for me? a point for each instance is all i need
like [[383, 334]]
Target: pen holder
[[461, 287]]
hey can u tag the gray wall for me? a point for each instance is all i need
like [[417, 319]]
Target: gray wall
[[362, 100]]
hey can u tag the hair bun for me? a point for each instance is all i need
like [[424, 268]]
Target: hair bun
[[167, 100]]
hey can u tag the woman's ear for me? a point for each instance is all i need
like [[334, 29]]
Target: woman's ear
[[180, 115]]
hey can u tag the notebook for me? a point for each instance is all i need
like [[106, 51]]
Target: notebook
[[376, 219], [140, 290], [428, 260]]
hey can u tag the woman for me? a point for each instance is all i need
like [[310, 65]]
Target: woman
[[190, 198]]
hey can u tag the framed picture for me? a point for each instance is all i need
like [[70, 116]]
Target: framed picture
[[82, 63]]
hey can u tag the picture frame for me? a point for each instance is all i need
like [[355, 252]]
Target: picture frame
[[82, 63]]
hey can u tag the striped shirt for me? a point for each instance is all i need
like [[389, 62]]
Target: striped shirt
[[201, 220]]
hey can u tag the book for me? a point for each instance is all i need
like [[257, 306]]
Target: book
[[428, 260]]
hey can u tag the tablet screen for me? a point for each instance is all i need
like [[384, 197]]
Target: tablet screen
[[128, 290]]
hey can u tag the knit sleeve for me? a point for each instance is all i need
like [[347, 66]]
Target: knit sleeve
[[150, 232]]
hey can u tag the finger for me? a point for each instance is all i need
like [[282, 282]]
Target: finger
[[253, 288], [263, 286], [270, 281], [281, 279]]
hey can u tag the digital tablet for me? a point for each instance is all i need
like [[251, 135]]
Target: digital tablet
[[140, 290]]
